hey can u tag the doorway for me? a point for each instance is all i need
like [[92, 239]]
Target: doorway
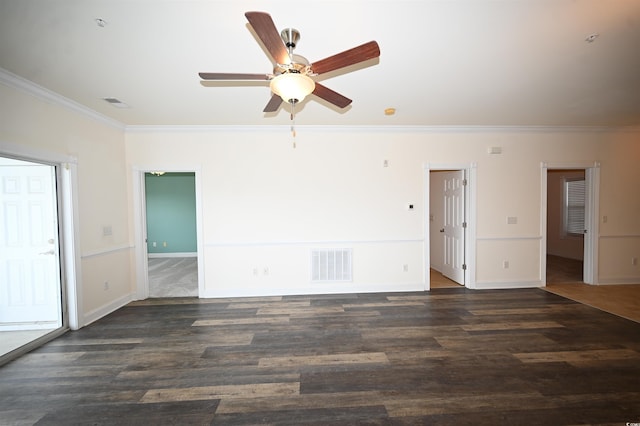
[[565, 225], [31, 294], [447, 225], [168, 213], [172, 266], [449, 222], [570, 223]]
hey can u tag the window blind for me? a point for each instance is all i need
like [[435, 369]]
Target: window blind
[[575, 191]]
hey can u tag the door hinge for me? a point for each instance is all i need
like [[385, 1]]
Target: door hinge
[[464, 182], [464, 224], [464, 266]]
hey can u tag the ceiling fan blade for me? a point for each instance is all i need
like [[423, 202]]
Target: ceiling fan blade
[[232, 76], [330, 96], [265, 29], [353, 56], [273, 104]]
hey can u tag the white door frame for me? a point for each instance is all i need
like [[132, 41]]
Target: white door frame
[[140, 226], [470, 217], [69, 231], [591, 215]]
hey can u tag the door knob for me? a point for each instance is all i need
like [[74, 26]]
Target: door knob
[[51, 252], [442, 230]]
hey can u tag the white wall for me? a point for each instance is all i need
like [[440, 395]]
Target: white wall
[[620, 203], [265, 204], [38, 125]]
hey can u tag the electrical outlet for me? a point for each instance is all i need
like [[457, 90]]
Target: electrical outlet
[[255, 271], [265, 271], [634, 261], [164, 244], [505, 264], [106, 285], [405, 268]]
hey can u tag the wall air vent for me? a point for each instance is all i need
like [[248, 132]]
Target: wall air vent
[[331, 265]]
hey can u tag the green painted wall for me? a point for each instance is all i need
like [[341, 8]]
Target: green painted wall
[[171, 213]]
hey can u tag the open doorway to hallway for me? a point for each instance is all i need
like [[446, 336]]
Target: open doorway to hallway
[[566, 197], [171, 234]]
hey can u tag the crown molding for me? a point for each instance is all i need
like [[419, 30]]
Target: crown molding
[[15, 81], [377, 129], [12, 80]]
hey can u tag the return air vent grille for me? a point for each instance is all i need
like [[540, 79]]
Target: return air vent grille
[[330, 265], [116, 102]]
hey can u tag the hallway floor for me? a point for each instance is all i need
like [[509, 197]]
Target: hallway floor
[[173, 277]]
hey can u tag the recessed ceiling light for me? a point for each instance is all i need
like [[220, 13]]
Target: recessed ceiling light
[[389, 111], [591, 37]]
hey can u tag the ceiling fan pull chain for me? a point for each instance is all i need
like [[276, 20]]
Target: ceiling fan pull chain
[[293, 122]]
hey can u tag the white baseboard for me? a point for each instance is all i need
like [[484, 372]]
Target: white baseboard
[[105, 310], [345, 288], [185, 254], [495, 285]]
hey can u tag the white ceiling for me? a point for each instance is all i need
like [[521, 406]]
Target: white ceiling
[[447, 62]]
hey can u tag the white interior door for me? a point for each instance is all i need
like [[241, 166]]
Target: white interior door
[[454, 225], [30, 290]]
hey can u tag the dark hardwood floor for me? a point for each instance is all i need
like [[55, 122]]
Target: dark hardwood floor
[[451, 356], [561, 270]]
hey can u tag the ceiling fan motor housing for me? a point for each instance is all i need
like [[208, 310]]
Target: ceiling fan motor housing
[[290, 36]]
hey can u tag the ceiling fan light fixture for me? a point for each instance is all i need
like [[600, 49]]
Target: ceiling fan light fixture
[[292, 87]]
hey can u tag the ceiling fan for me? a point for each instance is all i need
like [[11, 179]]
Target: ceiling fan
[[292, 77]]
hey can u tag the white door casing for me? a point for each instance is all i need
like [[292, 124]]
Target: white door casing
[[470, 212], [140, 226], [592, 202]]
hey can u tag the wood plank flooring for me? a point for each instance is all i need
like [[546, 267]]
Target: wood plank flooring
[[622, 300], [451, 356], [173, 277]]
